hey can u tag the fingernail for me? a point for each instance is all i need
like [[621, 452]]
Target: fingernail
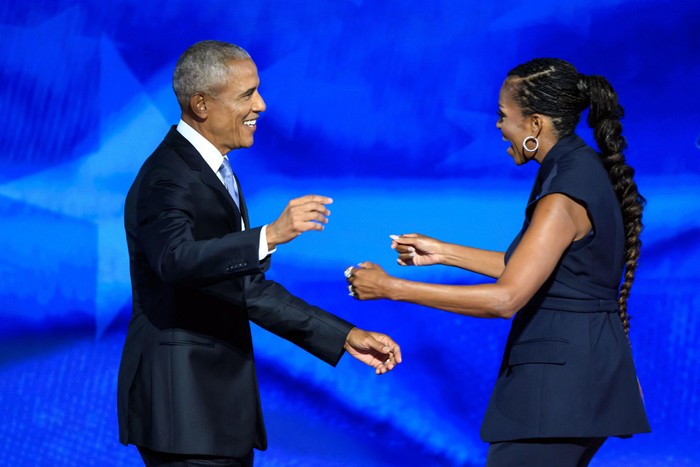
[[394, 237]]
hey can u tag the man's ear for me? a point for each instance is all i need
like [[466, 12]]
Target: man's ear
[[198, 105]]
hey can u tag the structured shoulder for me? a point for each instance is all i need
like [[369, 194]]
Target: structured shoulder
[[579, 174]]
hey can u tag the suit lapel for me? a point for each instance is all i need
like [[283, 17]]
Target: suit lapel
[[210, 179], [196, 163]]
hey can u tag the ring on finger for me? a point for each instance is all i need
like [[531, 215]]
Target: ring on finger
[[348, 272]]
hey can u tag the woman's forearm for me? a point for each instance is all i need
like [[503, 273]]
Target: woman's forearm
[[486, 262], [479, 301]]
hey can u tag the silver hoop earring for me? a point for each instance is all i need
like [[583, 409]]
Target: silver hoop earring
[[531, 138]]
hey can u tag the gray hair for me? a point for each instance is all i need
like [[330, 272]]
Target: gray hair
[[203, 67]]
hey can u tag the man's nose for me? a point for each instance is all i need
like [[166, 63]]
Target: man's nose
[[259, 104]]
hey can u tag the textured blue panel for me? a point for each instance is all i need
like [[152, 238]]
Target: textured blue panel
[[49, 265], [49, 74]]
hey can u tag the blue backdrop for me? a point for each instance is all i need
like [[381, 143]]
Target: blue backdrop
[[389, 108]]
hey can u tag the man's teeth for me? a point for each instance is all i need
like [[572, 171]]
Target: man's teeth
[[250, 123]]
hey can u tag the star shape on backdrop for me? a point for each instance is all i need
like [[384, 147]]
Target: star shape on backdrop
[[93, 187]]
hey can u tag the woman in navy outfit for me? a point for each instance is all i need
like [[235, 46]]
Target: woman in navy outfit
[[567, 380]]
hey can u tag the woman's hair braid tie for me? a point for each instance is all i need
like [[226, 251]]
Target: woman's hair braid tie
[[603, 101]]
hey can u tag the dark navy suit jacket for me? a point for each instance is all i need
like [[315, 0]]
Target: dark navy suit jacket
[[187, 381]]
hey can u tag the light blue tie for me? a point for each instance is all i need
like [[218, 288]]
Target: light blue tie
[[229, 181]]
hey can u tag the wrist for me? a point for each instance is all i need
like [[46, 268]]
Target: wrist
[[347, 338], [393, 288], [270, 237], [347, 346], [444, 255]]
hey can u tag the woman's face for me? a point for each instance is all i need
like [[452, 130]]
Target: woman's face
[[513, 125]]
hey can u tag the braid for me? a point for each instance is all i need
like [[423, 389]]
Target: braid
[[604, 118]]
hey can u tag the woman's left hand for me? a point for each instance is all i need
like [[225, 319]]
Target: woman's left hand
[[368, 281]]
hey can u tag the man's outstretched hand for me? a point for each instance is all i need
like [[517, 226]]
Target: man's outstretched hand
[[374, 349], [300, 215]]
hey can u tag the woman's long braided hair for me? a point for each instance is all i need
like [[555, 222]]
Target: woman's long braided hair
[[554, 88]]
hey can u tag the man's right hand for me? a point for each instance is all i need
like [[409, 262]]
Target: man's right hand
[[301, 215]]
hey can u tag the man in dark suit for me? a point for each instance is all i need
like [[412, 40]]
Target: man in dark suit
[[187, 390]]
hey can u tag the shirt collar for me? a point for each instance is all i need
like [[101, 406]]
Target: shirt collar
[[208, 151]]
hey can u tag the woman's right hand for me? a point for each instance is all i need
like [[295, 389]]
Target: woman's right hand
[[416, 249]]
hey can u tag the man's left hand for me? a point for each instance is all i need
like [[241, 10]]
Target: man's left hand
[[374, 349]]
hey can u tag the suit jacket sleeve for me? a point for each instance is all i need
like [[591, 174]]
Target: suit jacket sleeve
[[272, 307], [181, 233]]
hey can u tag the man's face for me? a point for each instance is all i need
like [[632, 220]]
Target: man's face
[[233, 111]]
